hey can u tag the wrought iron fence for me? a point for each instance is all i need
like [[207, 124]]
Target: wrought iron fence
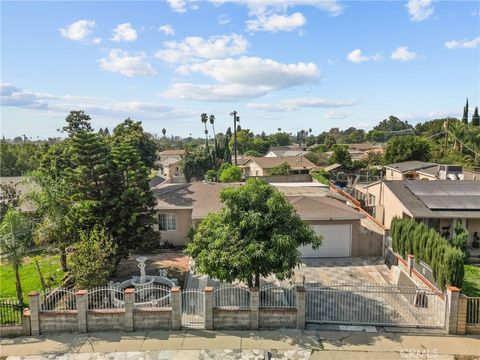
[[59, 299], [473, 310], [10, 312], [152, 296], [105, 298], [230, 296], [277, 296]]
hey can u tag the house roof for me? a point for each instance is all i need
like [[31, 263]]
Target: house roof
[[295, 162], [410, 166], [332, 167], [311, 203], [438, 199], [173, 152], [156, 180]]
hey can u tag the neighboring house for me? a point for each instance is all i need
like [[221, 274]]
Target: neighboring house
[[183, 206], [419, 170], [359, 151], [260, 166], [439, 204], [170, 162], [288, 150]]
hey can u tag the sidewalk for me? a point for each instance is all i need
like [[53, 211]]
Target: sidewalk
[[324, 344]]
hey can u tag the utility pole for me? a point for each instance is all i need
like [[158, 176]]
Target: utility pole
[[235, 119], [445, 125]]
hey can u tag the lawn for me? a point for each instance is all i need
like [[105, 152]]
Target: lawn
[[50, 268], [471, 281]]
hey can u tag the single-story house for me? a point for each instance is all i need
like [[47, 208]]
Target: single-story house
[[439, 204], [182, 206], [419, 170], [260, 166], [288, 150]]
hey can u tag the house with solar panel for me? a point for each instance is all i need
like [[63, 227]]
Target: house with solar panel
[[439, 204]]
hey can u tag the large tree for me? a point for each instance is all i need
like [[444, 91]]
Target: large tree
[[77, 121], [196, 164], [475, 117], [255, 235], [405, 148], [465, 113]]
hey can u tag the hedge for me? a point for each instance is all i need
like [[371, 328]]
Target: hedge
[[427, 245]]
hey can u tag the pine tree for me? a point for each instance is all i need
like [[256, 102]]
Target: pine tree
[[465, 113], [475, 117]]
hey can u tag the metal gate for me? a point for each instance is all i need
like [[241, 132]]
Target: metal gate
[[374, 304], [193, 315]]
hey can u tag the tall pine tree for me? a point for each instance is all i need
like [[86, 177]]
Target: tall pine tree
[[475, 117], [465, 113]]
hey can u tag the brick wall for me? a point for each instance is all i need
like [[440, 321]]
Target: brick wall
[[102, 320], [58, 322], [275, 318], [231, 319], [160, 319]]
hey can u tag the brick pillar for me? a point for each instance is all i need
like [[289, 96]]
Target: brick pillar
[[176, 299], [300, 292], [462, 315], [34, 300], [27, 330], [129, 304], [254, 308], [410, 260], [81, 299], [453, 299], [208, 307]]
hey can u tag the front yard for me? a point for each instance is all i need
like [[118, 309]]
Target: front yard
[[471, 281], [30, 280]]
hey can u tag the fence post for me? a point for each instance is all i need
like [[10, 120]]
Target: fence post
[[208, 307], [129, 304], [176, 295], [453, 298], [300, 293], [462, 315], [254, 308], [34, 300], [410, 260], [81, 300], [27, 330]]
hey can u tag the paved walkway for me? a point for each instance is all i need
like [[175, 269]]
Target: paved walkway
[[189, 345]]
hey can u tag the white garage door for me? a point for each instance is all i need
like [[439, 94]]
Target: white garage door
[[337, 242]]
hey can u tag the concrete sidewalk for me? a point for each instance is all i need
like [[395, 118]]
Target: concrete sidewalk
[[324, 344]]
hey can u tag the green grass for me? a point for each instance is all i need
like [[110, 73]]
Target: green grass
[[471, 281], [51, 271]]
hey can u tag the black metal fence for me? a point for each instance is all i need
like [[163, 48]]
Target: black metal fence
[[10, 312]]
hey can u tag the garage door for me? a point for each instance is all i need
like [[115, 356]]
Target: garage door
[[337, 240]]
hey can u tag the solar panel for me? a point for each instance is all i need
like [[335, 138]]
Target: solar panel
[[446, 195]]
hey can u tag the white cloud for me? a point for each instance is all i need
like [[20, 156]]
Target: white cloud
[[167, 29], [78, 31], [124, 32], [275, 22], [403, 54], [119, 61], [419, 10], [356, 57], [194, 47], [337, 115], [307, 102], [97, 41], [246, 77], [463, 44], [223, 19], [177, 5]]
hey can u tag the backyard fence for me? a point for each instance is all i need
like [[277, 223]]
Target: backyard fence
[[278, 297], [473, 310], [231, 296], [58, 299], [10, 312]]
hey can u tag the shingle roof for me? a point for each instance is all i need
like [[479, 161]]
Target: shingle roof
[[173, 152], [203, 198], [295, 162], [410, 166], [419, 209]]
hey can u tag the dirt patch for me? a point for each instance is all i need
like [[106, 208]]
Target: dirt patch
[[175, 262]]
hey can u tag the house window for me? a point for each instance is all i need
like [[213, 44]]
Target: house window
[[168, 222]]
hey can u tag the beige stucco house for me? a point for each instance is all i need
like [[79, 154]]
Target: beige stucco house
[[170, 161], [182, 206], [439, 204], [260, 166]]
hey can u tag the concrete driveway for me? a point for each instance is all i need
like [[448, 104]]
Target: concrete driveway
[[341, 270]]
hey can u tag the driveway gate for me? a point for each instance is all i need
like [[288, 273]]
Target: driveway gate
[[374, 304], [193, 309]]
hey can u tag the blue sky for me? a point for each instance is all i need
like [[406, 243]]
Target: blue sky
[[289, 64]]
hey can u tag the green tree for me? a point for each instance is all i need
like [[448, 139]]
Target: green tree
[[15, 238], [465, 113], [407, 148], [282, 169], [252, 153], [230, 174], [204, 119], [196, 164], [77, 121], [475, 117], [132, 132], [280, 139], [255, 235], [244, 140], [340, 155], [9, 198], [92, 262], [329, 141]]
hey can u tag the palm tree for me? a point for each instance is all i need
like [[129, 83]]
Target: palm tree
[[204, 119], [164, 131], [212, 122], [15, 237]]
